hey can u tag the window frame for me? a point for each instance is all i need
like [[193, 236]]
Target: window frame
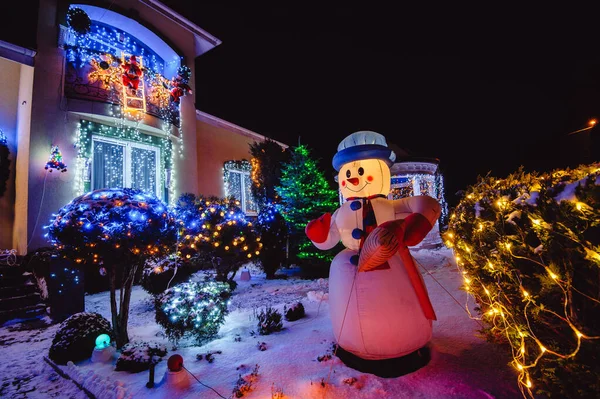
[[244, 175], [128, 147]]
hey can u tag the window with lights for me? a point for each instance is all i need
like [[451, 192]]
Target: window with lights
[[116, 157], [238, 184]]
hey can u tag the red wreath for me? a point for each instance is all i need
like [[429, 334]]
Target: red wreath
[[131, 73], [179, 89]]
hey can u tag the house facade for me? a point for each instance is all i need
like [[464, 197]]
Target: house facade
[[105, 100]]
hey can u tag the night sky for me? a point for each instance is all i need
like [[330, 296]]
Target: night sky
[[481, 89]]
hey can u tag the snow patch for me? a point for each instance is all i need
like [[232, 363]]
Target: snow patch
[[100, 387]]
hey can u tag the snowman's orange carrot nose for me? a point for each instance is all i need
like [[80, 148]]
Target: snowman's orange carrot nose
[[353, 180]]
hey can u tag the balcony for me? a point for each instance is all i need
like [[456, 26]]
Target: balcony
[[92, 82]]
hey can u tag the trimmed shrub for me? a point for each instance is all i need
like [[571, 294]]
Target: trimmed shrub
[[295, 312], [529, 249], [269, 321], [158, 275], [138, 356], [196, 309], [216, 231], [76, 338]]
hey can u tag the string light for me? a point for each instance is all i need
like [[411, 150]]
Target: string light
[[520, 269], [237, 183], [197, 308], [141, 162], [215, 227], [306, 195], [99, 53], [55, 161]]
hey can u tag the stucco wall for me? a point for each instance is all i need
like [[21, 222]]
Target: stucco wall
[[9, 81], [217, 145], [54, 118]]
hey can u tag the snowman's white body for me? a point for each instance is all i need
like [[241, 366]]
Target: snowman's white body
[[375, 314]]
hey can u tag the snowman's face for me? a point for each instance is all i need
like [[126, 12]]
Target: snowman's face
[[364, 178]]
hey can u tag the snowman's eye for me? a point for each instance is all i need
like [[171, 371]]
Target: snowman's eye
[[348, 173], [361, 171]]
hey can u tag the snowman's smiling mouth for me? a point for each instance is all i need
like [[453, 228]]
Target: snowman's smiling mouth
[[360, 189]]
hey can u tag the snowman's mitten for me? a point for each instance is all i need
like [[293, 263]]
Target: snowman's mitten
[[410, 230], [317, 230]]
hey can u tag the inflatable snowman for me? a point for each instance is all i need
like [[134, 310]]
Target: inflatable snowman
[[380, 310]]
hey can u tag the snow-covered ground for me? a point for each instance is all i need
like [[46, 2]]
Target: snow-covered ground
[[463, 365]]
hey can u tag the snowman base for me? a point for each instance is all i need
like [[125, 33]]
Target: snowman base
[[103, 355], [386, 368], [177, 379]]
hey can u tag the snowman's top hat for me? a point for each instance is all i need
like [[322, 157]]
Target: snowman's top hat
[[360, 145]]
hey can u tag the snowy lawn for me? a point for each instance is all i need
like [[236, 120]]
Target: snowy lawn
[[463, 365]]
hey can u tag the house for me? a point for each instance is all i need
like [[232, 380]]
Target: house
[[105, 99]]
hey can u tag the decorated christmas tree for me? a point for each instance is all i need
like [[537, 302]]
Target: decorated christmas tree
[[56, 160], [306, 195]]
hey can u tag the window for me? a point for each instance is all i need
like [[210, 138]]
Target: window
[[239, 185], [118, 163]]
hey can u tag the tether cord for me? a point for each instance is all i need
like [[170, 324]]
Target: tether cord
[[340, 334], [203, 383], [448, 292]]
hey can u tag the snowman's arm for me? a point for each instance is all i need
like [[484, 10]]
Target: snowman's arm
[[333, 237], [423, 204]]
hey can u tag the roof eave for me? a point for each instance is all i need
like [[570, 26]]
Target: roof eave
[[204, 40], [17, 53]]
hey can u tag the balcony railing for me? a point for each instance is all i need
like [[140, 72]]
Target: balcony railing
[[87, 83]]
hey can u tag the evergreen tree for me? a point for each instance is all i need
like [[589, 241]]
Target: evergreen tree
[[267, 161], [306, 195]]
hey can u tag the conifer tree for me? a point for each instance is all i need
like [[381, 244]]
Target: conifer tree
[[306, 195]]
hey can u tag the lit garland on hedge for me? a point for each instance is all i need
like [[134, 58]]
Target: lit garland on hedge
[[83, 143], [194, 308], [529, 250]]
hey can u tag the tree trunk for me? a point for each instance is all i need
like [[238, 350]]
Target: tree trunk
[[123, 337], [113, 304]]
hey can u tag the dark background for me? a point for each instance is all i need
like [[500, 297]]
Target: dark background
[[483, 87]]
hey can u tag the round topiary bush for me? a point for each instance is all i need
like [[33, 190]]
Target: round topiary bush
[[294, 312], [196, 309], [139, 356], [76, 338]]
